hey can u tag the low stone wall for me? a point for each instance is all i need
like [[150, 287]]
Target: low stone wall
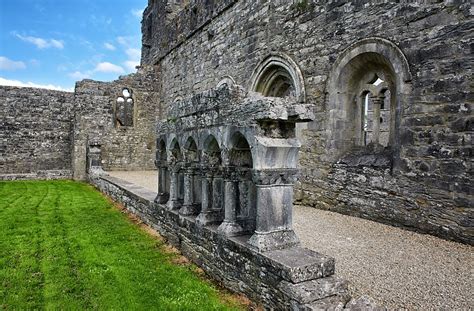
[[293, 278], [42, 175]]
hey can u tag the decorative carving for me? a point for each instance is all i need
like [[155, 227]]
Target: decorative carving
[[285, 176]]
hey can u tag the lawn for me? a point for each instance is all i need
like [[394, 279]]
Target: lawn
[[65, 246]]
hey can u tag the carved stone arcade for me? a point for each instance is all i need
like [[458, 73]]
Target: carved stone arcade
[[229, 158]]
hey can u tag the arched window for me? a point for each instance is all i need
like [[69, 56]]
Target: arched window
[[124, 108], [372, 112], [368, 88], [279, 76]]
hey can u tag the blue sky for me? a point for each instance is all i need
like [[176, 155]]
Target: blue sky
[[54, 43]]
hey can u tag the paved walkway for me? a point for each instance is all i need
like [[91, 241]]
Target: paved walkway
[[398, 268]]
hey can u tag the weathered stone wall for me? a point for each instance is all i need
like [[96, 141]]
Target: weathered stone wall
[[290, 279], [423, 180], [35, 133], [123, 147], [45, 134]]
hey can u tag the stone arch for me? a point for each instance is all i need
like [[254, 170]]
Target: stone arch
[[356, 67], [278, 75], [240, 153], [174, 151], [226, 80], [161, 151], [212, 151], [191, 153]]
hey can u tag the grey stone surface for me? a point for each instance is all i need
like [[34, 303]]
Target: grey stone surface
[[276, 279], [421, 179], [400, 269], [310, 291], [35, 133]]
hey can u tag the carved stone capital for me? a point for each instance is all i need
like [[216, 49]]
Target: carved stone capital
[[229, 173], [175, 167], [284, 176], [242, 173]]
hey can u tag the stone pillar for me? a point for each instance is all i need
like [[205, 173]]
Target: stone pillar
[[189, 207], [163, 196], [377, 103], [229, 226], [245, 216], [274, 209], [206, 217], [173, 202]]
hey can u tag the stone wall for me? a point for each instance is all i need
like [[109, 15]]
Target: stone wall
[[422, 180], [35, 133], [123, 147], [290, 279], [45, 134]]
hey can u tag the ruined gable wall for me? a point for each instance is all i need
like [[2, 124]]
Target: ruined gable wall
[[430, 188], [122, 148], [35, 130]]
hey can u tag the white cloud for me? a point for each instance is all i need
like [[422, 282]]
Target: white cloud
[[57, 44], [4, 81], [109, 46], [133, 59], [133, 54], [124, 40], [131, 64], [79, 75], [108, 68], [42, 43], [8, 64], [137, 13]]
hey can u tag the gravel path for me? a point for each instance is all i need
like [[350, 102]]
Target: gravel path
[[398, 268]]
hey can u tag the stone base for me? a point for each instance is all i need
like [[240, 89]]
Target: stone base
[[267, 241], [209, 218], [230, 229], [162, 198], [286, 279], [188, 210], [173, 205]]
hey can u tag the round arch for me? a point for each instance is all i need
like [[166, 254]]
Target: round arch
[[354, 64]]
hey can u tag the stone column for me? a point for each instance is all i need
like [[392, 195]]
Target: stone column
[[243, 212], [173, 202], [274, 209], [163, 196], [205, 217], [229, 226], [189, 207], [377, 102]]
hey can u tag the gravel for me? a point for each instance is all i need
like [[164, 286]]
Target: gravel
[[398, 268]]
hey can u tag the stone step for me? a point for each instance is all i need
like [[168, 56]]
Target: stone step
[[310, 291]]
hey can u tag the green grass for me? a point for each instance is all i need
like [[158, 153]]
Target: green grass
[[64, 246]]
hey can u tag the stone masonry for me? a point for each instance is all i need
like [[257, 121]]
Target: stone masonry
[[46, 134], [417, 172], [35, 133], [364, 108]]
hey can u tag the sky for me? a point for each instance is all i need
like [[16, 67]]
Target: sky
[[54, 43]]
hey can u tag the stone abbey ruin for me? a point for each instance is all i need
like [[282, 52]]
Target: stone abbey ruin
[[245, 107]]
